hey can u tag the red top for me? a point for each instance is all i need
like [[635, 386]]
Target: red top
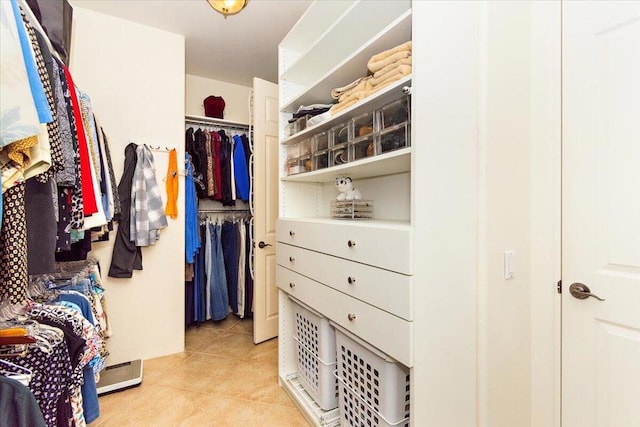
[[88, 193]]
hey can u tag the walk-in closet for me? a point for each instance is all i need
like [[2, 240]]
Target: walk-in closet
[[319, 213]]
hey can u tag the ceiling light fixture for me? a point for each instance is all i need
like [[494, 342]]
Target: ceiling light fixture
[[228, 7]]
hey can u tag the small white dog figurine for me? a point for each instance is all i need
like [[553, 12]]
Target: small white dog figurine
[[344, 184]]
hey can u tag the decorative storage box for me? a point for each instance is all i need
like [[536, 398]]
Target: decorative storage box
[[363, 125], [362, 147], [395, 113], [316, 345], [394, 138], [341, 134], [339, 155], [320, 159], [373, 389], [352, 209], [320, 141]]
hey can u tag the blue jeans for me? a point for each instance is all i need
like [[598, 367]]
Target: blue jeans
[[219, 294], [231, 251]]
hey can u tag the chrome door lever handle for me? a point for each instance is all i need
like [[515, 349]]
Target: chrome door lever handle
[[582, 291]]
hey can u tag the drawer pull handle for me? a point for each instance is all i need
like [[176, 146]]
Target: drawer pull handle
[[351, 317], [351, 280], [292, 233], [292, 258], [351, 243], [292, 285]]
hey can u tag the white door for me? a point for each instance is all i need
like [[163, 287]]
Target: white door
[[601, 213], [265, 209]]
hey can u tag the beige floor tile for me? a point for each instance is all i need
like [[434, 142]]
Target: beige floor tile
[[244, 326], [157, 405], [222, 325], [196, 338], [240, 347], [223, 380], [284, 416], [225, 412]]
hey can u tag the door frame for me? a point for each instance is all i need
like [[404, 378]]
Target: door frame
[[546, 219]]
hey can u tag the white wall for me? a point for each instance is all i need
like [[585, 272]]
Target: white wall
[[504, 310], [134, 75], [236, 97]]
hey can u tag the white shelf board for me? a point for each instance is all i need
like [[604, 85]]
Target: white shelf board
[[214, 121], [355, 66], [313, 24], [378, 99], [310, 408], [347, 34], [394, 162]]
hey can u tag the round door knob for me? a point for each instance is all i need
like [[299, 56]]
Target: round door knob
[[292, 285], [351, 280], [292, 233], [351, 243], [292, 258], [351, 317]]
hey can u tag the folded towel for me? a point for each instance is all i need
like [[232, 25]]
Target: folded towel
[[406, 46], [393, 75], [379, 65], [388, 68], [342, 105], [363, 85], [335, 93]]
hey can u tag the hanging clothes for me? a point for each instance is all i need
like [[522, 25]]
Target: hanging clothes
[[219, 301], [147, 211], [126, 256], [241, 169]]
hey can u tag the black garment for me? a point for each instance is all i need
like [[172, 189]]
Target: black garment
[[56, 18], [41, 226], [248, 289], [13, 246], [112, 177], [126, 255], [18, 406], [201, 167], [231, 253], [225, 166], [78, 251]]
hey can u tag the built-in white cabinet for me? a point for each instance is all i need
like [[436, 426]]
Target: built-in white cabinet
[[380, 280]]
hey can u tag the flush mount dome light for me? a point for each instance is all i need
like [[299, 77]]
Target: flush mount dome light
[[228, 7]]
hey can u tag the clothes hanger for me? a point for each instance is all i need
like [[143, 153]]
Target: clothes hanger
[[16, 372]]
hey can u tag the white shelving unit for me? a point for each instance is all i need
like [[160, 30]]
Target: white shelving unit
[[397, 282]]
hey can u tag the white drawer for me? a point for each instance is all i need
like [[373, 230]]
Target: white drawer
[[384, 289], [383, 244], [389, 333]]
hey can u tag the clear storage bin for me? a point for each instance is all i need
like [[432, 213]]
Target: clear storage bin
[[293, 151], [306, 163], [339, 155], [320, 141], [364, 125], [293, 167], [305, 147], [321, 159], [316, 352], [395, 113], [341, 134], [362, 147], [352, 209], [394, 138], [374, 390]]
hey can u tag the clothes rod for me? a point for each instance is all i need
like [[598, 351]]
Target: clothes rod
[[223, 210], [212, 121]]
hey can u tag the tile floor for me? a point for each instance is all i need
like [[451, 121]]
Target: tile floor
[[221, 379]]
